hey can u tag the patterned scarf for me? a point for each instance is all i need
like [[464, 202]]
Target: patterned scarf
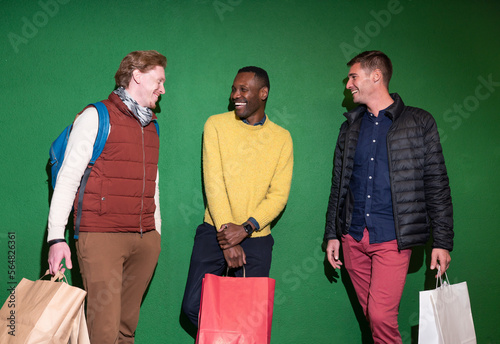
[[143, 114]]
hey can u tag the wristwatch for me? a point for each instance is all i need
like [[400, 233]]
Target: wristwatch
[[248, 228]]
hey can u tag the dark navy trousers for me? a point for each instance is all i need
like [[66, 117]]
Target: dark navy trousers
[[207, 257]]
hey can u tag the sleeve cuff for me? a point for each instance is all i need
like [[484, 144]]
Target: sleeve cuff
[[254, 222], [55, 241]]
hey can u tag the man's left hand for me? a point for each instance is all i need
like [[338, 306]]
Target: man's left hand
[[441, 257], [235, 257], [230, 235]]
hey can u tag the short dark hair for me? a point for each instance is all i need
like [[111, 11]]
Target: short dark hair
[[374, 59], [143, 60], [260, 74]]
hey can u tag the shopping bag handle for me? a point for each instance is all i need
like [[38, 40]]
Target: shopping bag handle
[[439, 280], [227, 271], [59, 275]]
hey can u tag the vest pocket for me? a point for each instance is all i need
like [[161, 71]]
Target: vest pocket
[[104, 197]]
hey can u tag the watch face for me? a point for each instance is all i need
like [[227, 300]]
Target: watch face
[[248, 228]]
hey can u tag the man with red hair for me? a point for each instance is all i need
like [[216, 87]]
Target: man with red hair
[[119, 231]]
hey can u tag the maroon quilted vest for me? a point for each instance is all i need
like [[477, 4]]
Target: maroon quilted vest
[[119, 196]]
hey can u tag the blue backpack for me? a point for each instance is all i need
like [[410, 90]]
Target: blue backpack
[[58, 148]]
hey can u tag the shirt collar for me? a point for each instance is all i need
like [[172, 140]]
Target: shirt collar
[[381, 113], [261, 122]]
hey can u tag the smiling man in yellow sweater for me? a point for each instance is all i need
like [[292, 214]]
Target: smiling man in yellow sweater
[[247, 172]]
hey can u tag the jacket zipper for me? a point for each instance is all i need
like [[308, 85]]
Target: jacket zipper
[[391, 176], [143, 178]]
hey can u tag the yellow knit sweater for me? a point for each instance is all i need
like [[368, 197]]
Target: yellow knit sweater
[[247, 171]]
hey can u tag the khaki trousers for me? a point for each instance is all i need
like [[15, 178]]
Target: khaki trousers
[[116, 269]]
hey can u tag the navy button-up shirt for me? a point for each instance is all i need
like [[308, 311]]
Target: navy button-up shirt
[[370, 183]]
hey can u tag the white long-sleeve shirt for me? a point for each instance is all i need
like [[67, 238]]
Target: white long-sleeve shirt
[[76, 159]]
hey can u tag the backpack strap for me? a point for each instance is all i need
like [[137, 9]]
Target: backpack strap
[[157, 127], [102, 132], [100, 141]]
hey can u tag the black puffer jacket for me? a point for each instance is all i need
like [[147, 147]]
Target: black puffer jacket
[[419, 181]]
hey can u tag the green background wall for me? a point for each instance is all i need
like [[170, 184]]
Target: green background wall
[[57, 56]]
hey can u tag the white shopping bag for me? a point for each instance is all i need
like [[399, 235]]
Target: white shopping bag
[[445, 315], [427, 323]]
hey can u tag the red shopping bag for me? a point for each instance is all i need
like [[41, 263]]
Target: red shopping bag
[[235, 310]]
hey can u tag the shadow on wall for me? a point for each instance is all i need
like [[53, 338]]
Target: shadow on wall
[[347, 103]]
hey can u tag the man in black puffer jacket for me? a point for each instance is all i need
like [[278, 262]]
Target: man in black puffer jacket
[[389, 188]]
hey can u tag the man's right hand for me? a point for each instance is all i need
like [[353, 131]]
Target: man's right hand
[[235, 257], [57, 253], [332, 253]]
